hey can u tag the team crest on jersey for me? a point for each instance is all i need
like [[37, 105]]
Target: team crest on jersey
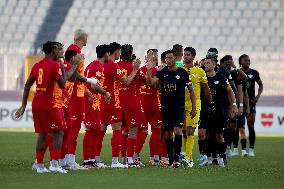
[[98, 74], [118, 71], [177, 76], [250, 76], [216, 82]]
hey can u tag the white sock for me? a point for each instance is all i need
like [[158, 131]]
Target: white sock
[[62, 162], [114, 160], [156, 157], [54, 163], [151, 158], [130, 160], [93, 160], [85, 161], [98, 159], [135, 156], [164, 158]]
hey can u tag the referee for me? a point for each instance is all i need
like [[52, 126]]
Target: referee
[[173, 81]]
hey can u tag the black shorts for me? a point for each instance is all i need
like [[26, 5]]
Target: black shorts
[[203, 119], [241, 121], [218, 122], [172, 117]]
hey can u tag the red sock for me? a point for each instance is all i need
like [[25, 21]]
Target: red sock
[[86, 144], [93, 143], [99, 143], [140, 141], [48, 143], [64, 145], [156, 137], [130, 146], [151, 145], [75, 126], [124, 145], [55, 154], [39, 156], [116, 143]]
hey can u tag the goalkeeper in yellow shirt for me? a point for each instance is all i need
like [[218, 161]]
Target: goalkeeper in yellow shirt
[[199, 79]]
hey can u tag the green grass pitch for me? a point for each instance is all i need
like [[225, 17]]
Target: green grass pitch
[[266, 170]]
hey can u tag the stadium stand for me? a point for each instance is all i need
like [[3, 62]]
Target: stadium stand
[[234, 27]]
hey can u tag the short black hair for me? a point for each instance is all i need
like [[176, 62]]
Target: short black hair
[[101, 50], [191, 50], [226, 58], [177, 49], [242, 57], [168, 52], [154, 50], [213, 50], [113, 47], [163, 56], [69, 54], [50, 45], [126, 52]]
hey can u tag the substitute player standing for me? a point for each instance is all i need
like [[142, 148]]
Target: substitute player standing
[[199, 79], [173, 82], [253, 77]]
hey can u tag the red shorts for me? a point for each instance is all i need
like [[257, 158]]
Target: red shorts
[[153, 117], [111, 115], [93, 120], [48, 120], [134, 118], [77, 109], [143, 124]]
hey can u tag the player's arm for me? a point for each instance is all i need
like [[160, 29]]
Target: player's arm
[[97, 87], [240, 99], [260, 90], [246, 101], [192, 99], [242, 75], [207, 92], [232, 100], [127, 80], [151, 81], [89, 94], [30, 81]]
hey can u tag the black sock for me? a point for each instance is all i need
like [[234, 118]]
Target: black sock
[[177, 146], [201, 146], [236, 139], [221, 148], [170, 148], [244, 143], [251, 137]]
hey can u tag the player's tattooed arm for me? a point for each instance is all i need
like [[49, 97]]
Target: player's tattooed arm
[[260, 90], [232, 100], [240, 100], [246, 101], [207, 92], [102, 91], [30, 81]]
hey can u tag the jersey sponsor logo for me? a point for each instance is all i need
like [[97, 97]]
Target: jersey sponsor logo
[[194, 75], [170, 87]]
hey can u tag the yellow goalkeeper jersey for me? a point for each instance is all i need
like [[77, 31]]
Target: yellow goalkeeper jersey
[[198, 76]]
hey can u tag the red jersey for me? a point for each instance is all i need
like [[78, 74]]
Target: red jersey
[[78, 88], [67, 91], [149, 95], [48, 94], [94, 69], [130, 95], [112, 73]]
